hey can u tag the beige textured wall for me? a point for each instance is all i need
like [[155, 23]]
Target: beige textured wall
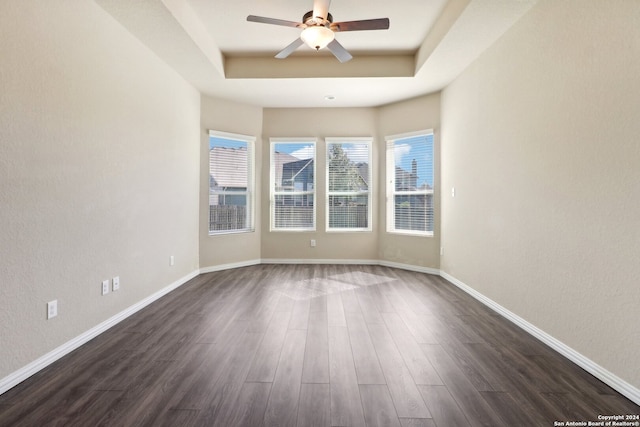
[[99, 173], [403, 117], [540, 140], [226, 116], [319, 123]]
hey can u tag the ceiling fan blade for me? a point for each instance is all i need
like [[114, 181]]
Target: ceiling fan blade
[[263, 20], [339, 51], [321, 8], [289, 49], [363, 25]]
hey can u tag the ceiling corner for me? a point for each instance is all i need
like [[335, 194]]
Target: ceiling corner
[[193, 26], [439, 30]]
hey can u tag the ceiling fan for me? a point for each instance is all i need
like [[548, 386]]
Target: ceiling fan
[[318, 30]]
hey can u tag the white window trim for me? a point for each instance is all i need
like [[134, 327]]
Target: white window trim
[[344, 140], [390, 183], [251, 180], [272, 179]]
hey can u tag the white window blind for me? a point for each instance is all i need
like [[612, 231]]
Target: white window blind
[[230, 182], [348, 184], [410, 183], [293, 185]]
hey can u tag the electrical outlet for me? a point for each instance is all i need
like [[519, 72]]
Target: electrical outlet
[[115, 283], [52, 309], [105, 287], [313, 243], [172, 261]]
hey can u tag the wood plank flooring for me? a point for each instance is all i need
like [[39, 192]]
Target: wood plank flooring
[[312, 345]]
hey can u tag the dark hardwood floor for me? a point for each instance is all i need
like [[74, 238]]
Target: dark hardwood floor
[[312, 345]]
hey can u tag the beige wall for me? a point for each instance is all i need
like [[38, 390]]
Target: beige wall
[[540, 140], [226, 116], [318, 123], [409, 116], [99, 173]]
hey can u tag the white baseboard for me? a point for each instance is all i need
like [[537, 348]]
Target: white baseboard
[[22, 374], [615, 382], [409, 267], [383, 263], [229, 266], [319, 261]]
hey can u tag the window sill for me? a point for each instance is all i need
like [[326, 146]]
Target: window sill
[[292, 230], [223, 233], [411, 233]]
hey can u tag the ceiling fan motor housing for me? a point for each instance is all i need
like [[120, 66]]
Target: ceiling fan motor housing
[[311, 20]]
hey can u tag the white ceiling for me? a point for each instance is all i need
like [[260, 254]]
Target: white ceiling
[[210, 43]]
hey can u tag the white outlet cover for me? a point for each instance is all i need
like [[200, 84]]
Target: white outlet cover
[[115, 282], [105, 287], [52, 309]]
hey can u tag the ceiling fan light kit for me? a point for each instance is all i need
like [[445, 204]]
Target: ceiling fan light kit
[[317, 37], [318, 30]]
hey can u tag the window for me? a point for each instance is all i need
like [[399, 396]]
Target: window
[[231, 184], [348, 184], [410, 183], [293, 190]]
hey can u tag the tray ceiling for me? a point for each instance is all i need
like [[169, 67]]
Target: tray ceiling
[[210, 43]]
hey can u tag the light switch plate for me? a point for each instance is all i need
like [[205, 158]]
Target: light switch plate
[[52, 309]]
